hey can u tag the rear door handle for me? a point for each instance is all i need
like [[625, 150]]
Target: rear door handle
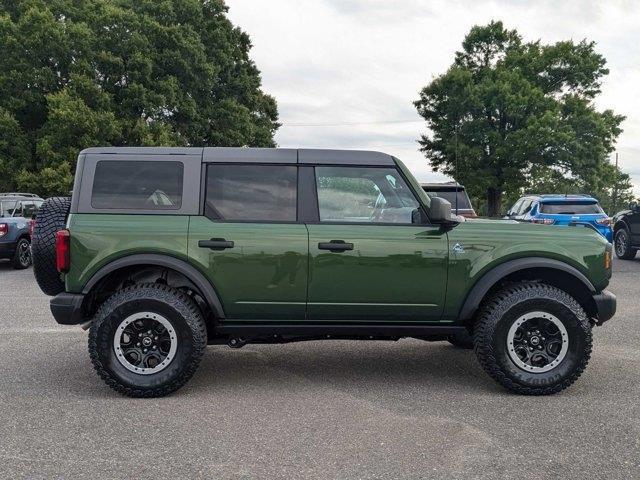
[[216, 244], [335, 246]]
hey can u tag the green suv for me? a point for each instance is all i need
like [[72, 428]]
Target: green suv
[[162, 251]]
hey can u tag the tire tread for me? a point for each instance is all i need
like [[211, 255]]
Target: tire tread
[[182, 303], [497, 306]]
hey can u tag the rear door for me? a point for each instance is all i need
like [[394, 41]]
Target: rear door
[[249, 241], [371, 258]]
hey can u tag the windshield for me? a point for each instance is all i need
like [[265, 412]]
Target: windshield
[[568, 208], [451, 197]]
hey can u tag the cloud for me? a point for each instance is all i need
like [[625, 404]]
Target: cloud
[[364, 61]]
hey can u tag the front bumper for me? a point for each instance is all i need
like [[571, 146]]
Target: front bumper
[[605, 305], [67, 308]]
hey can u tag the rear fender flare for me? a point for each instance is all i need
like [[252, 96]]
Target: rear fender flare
[[181, 266]]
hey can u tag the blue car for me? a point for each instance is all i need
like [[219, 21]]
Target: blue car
[[563, 210], [16, 211]]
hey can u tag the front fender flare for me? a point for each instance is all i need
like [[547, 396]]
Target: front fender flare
[[181, 266], [490, 278]]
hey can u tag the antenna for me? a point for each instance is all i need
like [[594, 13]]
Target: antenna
[[455, 133]]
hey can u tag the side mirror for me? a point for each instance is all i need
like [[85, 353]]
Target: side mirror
[[440, 210], [633, 205]]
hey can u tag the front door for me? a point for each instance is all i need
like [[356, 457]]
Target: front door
[[249, 244], [371, 258]]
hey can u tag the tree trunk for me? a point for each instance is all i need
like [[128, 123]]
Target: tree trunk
[[494, 202]]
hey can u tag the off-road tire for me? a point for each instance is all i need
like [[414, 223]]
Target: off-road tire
[[17, 261], [186, 319], [503, 309], [461, 340], [622, 245], [52, 216]]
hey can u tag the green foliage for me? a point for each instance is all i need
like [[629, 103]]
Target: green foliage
[[520, 117], [81, 73]]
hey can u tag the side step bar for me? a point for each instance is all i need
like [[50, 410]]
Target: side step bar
[[401, 330]]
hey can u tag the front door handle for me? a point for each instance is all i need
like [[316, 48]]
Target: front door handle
[[215, 244], [335, 246]]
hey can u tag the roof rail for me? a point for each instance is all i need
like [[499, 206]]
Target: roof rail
[[18, 194]]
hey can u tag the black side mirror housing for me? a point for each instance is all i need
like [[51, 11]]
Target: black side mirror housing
[[440, 211], [633, 206]]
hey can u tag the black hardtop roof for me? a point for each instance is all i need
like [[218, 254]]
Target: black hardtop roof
[[253, 155]]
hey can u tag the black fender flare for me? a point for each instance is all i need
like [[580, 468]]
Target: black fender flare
[[174, 263], [620, 223], [490, 278]]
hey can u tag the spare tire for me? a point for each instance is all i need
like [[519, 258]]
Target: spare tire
[[51, 217]]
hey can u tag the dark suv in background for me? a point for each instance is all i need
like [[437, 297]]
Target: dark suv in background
[[626, 232], [16, 212], [455, 194]]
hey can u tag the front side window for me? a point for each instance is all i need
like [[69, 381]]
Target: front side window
[[526, 207], [364, 195], [252, 193], [137, 185]]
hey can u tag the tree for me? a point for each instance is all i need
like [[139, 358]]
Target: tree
[[81, 73], [510, 116]]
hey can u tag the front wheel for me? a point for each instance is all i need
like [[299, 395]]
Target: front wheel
[[622, 245], [533, 339], [147, 340]]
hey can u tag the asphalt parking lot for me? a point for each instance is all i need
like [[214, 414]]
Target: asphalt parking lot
[[333, 409]]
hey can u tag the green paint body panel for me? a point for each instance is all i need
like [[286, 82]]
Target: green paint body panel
[[264, 276], [394, 272], [489, 243], [98, 239]]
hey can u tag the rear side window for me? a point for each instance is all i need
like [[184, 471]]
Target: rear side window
[[252, 193], [570, 208], [137, 185]]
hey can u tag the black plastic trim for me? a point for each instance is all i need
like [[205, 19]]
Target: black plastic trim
[[67, 308], [307, 195], [606, 305], [489, 279], [188, 270], [257, 329]]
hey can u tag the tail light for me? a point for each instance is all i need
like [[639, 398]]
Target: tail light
[[544, 221], [4, 228], [32, 226], [63, 257], [604, 221]]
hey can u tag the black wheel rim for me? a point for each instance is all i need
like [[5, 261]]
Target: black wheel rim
[[537, 342], [24, 253], [145, 343]]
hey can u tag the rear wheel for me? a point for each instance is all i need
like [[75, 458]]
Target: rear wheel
[[622, 245], [147, 340], [22, 256], [533, 339]]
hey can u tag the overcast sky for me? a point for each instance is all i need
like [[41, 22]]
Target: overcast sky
[[345, 72]]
